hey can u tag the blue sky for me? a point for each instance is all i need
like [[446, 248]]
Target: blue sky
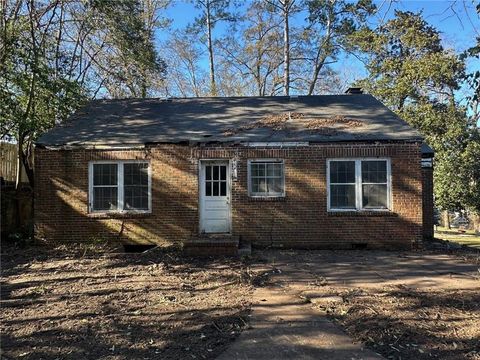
[[456, 20]]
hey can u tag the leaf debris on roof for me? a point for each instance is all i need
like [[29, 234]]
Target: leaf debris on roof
[[326, 126], [275, 122]]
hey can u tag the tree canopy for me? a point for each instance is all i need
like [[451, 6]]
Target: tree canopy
[[57, 54], [411, 72]]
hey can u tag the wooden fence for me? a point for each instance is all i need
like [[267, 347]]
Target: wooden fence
[[8, 163]]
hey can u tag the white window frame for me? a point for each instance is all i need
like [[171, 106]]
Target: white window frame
[[249, 178], [358, 185], [120, 187]]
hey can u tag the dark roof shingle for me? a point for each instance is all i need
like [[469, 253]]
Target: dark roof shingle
[[141, 121]]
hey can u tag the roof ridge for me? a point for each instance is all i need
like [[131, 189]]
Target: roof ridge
[[229, 97]]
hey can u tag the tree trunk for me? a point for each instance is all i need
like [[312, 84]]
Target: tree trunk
[[213, 87], [23, 163], [286, 48], [143, 86], [18, 182], [18, 177], [446, 219], [476, 223], [320, 59], [316, 72], [27, 165]]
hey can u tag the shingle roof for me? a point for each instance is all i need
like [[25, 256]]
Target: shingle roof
[[427, 151], [141, 121]]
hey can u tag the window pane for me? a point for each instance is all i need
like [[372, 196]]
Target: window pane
[[274, 169], [223, 188], [223, 172], [278, 169], [105, 198], [374, 171], [215, 172], [259, 185], [275, 185], [342, 196], [135, 181], [215, 188], [135, 174], [208, 188], [104, 174], [266, 178], [374, 196], [342, 172], [136, 198], [258, 169], [255, 185], [208, 170]]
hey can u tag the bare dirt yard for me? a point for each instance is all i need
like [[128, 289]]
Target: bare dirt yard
[[76, 304], [402, 305], [85, 303], [403, 323]]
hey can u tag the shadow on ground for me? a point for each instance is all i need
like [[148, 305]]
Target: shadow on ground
[[60, 304], [403, 305]]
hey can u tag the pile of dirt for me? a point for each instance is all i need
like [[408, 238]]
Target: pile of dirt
[[405, 323], [78, 305]]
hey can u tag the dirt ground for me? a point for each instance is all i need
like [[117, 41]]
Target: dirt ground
[[410, 305], [403, 323], [72, 304], [88, 304]]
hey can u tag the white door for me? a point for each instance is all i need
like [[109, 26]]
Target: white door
[[214, 197]]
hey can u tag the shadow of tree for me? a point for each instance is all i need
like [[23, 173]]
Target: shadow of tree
[[408, 323], [299, 220], [121, 306]]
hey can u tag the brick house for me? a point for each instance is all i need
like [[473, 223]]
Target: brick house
[[336, 171]]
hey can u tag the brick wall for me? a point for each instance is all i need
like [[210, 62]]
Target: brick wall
[[298, 220], [427, 207]]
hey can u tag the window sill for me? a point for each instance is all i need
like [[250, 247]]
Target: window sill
[[266, 198], [119, 215], [385, 213]]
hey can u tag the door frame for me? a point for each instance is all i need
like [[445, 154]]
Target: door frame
[[201, 191]]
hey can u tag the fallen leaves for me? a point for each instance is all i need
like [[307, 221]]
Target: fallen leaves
[[403, 322], [327, 126], [330, 126], [121, 306]]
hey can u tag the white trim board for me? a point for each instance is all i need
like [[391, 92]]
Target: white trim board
[[119, 186], [249, 182], [358, 185]]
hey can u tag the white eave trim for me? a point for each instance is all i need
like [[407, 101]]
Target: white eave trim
[[94, 147], [278, 144]]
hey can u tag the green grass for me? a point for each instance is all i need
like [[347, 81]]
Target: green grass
[[468, 238]]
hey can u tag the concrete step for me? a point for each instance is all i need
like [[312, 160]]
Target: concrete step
[[211, 245]]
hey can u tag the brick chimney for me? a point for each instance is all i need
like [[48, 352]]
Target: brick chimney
[[354, 90]]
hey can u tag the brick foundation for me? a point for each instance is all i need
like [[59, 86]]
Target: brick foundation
[[299, 220]]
